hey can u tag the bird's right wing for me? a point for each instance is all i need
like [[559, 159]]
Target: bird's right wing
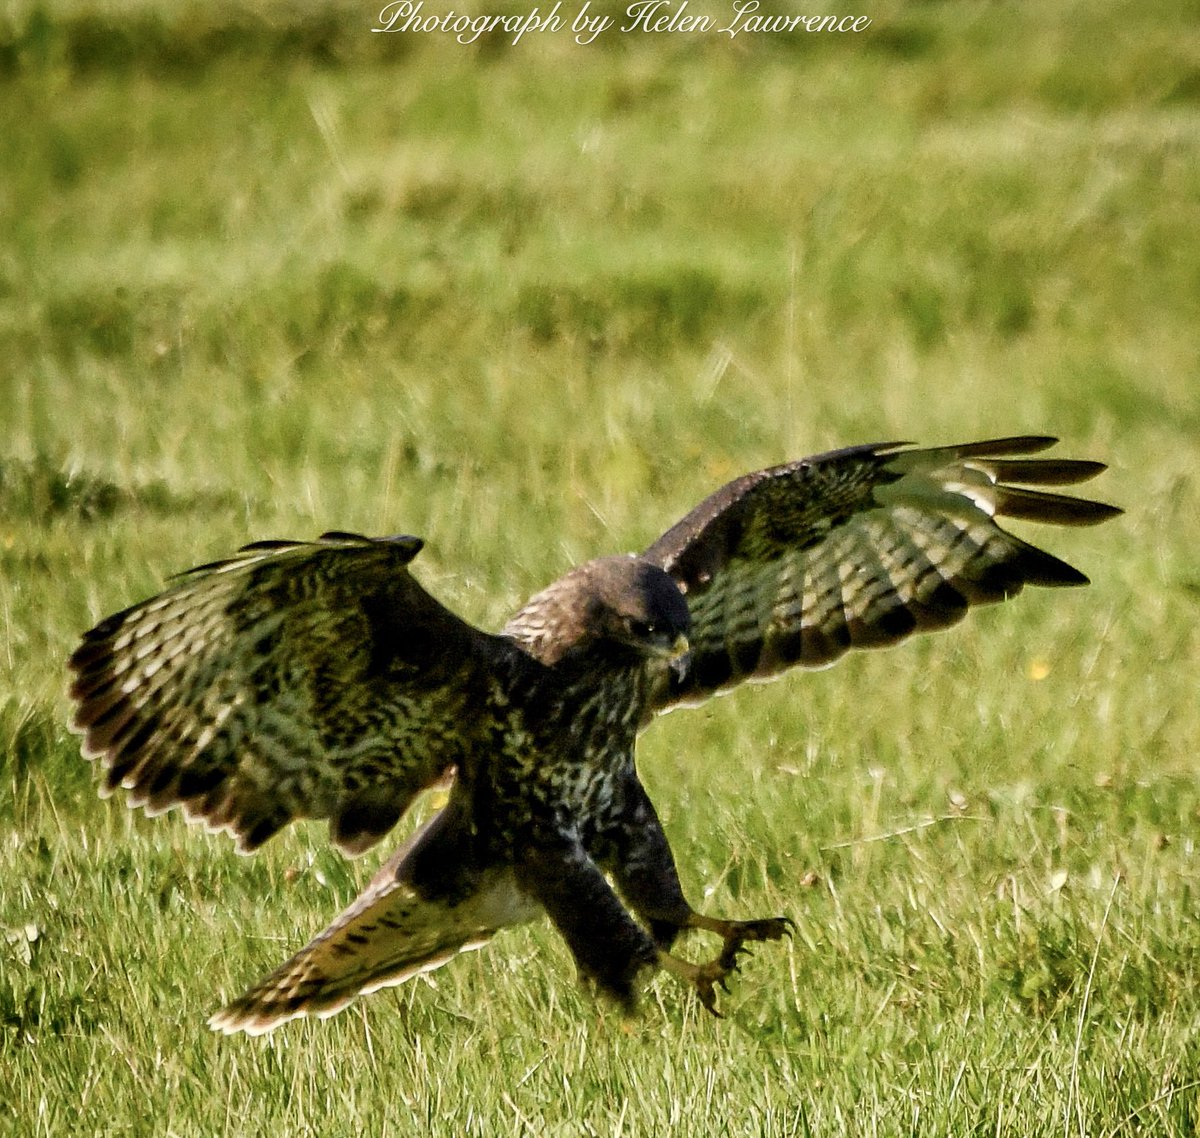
[[298, 679], [396, 929], [859, 548]]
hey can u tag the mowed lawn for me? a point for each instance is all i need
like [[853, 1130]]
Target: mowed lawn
[[263, 273]]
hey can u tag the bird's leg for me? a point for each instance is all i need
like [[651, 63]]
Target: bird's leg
[[609, 946], [637, 855], [640, 861]]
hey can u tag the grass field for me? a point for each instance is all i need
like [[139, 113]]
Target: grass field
[[265, 275]]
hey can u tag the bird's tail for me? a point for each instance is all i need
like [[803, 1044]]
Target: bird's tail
[[389, 934]]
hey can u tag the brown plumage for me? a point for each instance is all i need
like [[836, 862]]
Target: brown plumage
[[319, 680]]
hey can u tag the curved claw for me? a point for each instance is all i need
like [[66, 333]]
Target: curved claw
[[730, 958], [769, 928], [708, 997]]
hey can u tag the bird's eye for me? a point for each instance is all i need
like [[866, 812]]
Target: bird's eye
[[640, 629]]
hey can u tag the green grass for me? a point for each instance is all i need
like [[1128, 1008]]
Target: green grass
[[267, 275]]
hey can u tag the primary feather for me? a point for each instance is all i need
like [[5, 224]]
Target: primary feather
[[859, 548]]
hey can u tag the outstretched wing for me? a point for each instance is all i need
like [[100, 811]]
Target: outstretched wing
[[859, 548], [295, 680], [396, 929]]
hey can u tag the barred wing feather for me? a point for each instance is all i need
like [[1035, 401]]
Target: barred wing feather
[[298, 679], [859, 548]]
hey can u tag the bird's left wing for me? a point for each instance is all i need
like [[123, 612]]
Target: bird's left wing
[[296, 680], [859, 548]]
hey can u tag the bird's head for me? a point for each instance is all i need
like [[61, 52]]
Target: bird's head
[[636, 605], [621, 606]]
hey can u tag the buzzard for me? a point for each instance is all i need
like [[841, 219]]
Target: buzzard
[[320, 680]]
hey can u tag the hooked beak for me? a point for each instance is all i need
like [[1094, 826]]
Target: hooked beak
[[679, 656]]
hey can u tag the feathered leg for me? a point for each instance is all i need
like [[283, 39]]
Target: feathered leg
[[641, 863], [609, 946]]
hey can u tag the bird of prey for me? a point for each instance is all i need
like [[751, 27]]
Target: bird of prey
[[320, 680]]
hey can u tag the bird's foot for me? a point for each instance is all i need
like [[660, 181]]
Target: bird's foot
[[707, 977], [738, 933]]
